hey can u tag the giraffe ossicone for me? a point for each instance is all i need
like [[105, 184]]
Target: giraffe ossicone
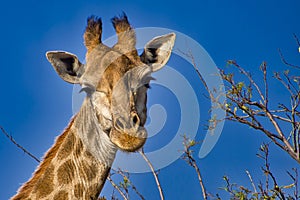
[[112, 116]]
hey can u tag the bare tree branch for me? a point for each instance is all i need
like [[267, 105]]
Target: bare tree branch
[[154, 174], [266, 189], [126, 177], [297, 40], [188, 157], [18, 145], [285, 62], [116, 187], [242, 108], [251, 180]]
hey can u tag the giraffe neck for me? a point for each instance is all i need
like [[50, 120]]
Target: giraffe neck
[[95, 139], [76, 166]]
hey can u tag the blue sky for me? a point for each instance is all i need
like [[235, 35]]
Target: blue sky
[[36, 104]]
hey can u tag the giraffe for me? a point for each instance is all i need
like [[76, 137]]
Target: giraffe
[[112, 116]]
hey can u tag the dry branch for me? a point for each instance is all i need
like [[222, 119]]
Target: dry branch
[[18, 145], [188, 157], [154, 174]]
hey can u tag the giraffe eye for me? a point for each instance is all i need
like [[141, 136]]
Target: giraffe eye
[[147, 85]]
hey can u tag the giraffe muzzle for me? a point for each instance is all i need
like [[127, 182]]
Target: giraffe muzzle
[[128, 135]]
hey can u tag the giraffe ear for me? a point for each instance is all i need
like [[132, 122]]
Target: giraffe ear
[[158, 51], [67, 65]]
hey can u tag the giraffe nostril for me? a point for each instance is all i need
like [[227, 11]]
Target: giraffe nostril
[[132, 125], [135, 120], [119, 124]]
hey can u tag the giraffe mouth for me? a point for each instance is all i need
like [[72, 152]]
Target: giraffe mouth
[[128, 141]]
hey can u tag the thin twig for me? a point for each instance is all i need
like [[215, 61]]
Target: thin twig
[[267, 170], [296, 183], [191, 56], [154, 174], [297, 40], [117, 187], [285, 62], [188, 157], [18, 145], [137, 192], [126, 176], [204, 193], [247, 74], [251, 180], [264, 70]]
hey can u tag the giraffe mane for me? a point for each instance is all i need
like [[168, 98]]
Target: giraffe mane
[[40, 171]]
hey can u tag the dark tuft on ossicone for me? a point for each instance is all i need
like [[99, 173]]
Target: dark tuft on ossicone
[[121, 23], [93, 32]]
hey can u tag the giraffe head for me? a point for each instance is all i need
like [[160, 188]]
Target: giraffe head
[[116, 79]]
